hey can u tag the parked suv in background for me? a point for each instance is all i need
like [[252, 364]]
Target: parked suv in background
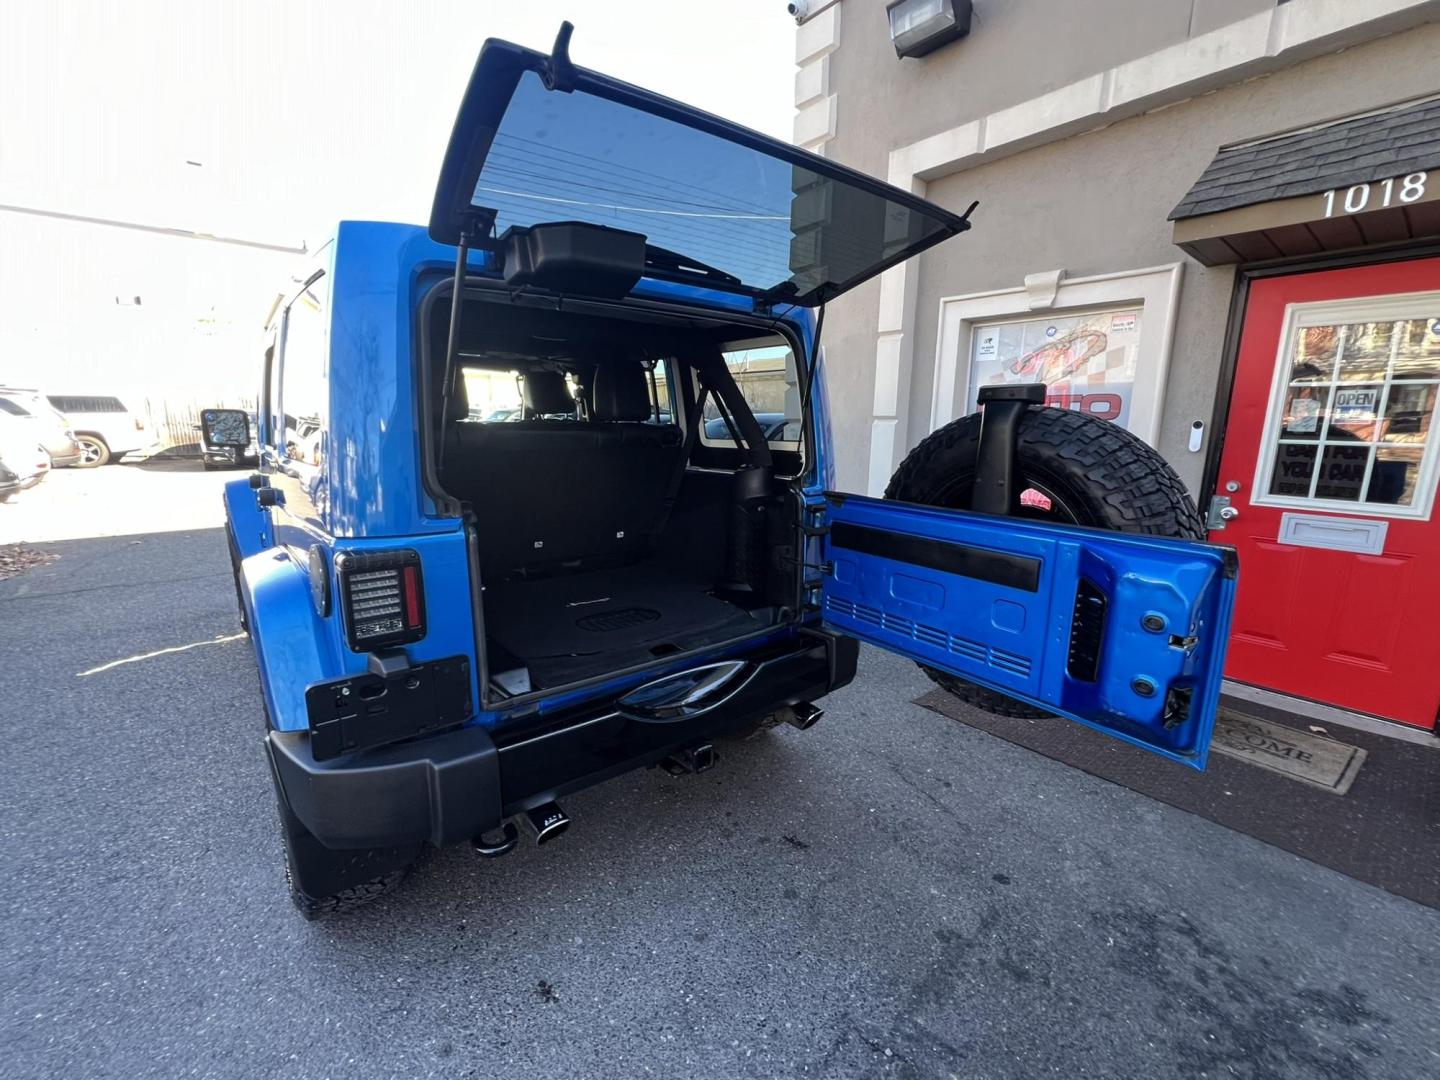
[[104, 428], [20, 447], [51, 427], [459, 621]]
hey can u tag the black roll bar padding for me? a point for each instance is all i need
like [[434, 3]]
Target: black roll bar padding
[[995, 476]]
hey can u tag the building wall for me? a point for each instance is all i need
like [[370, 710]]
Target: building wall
[[1091, 203]]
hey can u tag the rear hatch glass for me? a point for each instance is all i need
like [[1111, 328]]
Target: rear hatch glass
[[715, 201]]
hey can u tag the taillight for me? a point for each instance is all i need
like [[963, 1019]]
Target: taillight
[[139, 424], [383, 597]]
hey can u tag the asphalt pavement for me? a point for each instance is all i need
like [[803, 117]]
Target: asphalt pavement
[[889, 894]]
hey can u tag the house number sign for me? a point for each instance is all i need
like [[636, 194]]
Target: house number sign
[[1377, 194]]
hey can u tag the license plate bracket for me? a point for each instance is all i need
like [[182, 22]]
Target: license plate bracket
[[362, 711]]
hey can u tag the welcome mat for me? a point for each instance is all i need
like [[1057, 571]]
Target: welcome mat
[[1385, 831], [1327, 763]]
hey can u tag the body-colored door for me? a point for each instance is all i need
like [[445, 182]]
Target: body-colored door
[[1330, 467]]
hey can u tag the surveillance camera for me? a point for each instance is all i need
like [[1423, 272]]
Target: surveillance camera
[[799, 9]]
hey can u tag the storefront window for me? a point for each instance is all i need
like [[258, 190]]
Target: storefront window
[[1358, 408], [1087, 361]]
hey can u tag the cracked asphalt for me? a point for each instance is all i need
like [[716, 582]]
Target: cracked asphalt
[[889, 894]]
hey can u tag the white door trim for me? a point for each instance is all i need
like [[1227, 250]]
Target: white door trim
[[1155, 289]]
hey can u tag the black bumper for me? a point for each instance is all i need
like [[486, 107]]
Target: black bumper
[[449, 787]]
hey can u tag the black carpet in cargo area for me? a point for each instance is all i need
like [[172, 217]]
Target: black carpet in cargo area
[[1385, 830], [575, 627]]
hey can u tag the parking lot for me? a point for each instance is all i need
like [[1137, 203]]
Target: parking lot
[[889, 894], [116, 500]]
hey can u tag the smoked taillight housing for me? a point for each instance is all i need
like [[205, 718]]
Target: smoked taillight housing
[[382, 596]]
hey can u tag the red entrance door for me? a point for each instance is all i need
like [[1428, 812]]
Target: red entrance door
[[1330, 466]]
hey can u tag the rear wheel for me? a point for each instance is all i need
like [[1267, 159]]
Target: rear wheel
[[328, 881], [1073, 469], [93, 451], [235, 575], [325, 882]]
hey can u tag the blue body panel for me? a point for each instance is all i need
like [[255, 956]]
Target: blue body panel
[[982, 625], [367, 493], [249, 524]]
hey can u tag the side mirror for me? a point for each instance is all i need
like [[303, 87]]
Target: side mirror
[[226, 427]]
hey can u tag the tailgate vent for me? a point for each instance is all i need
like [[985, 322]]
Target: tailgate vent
[[1087, 630]]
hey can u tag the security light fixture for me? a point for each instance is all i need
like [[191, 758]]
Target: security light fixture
[[918, 27]]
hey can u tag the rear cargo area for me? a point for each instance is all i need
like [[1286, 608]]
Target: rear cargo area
[[577, 626], [606, 538]]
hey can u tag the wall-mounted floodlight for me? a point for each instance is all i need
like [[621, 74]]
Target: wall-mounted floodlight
[[918, 27]]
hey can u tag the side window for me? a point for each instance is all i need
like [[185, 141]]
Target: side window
[[662, 393], [304, 374], [767, 377]]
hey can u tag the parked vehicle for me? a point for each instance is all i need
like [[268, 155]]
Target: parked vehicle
[[105, 429], [9, 483], [20, 447], [53, 430], [458, 623], [772, 425]]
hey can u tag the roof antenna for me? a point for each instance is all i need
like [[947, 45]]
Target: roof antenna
[[559, 73]]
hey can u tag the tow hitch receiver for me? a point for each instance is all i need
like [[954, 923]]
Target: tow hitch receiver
[[696, 759]]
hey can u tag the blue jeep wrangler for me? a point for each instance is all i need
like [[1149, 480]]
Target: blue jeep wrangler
[[517, 530]]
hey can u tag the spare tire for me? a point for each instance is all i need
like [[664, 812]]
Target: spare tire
[[1073, 469]]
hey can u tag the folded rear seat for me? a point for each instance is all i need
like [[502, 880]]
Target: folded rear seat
[[553, 495]]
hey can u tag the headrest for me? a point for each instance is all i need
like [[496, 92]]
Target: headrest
[[622, 392], [544, 393]]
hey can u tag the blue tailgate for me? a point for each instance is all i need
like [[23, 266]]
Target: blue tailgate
[[1123, 633]]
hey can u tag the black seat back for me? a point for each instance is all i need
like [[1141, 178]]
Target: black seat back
[[550, 495]]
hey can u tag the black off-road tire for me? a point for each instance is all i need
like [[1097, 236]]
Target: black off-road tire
[[324, 863], [235, 575], [1091, 471], [314, 907]]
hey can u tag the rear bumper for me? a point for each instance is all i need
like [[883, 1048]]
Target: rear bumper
[[64, 461], [453, 786]]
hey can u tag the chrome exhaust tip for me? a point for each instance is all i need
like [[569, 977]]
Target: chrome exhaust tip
[[547, 822], [804, 715]]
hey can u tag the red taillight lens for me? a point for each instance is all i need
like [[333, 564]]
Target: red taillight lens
[[383, 597], [411, 577]]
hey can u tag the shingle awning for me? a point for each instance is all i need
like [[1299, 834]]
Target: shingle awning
[[1364, 180]]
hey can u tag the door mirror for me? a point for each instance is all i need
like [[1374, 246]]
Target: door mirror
[[226, 427]]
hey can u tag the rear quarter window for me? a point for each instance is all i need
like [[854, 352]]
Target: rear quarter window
[[767, 378]]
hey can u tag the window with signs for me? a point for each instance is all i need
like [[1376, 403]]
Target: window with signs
[[765, 372], [1087, 361], [1352, 412]]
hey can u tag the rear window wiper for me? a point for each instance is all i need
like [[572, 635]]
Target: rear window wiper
[[665, 259]]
